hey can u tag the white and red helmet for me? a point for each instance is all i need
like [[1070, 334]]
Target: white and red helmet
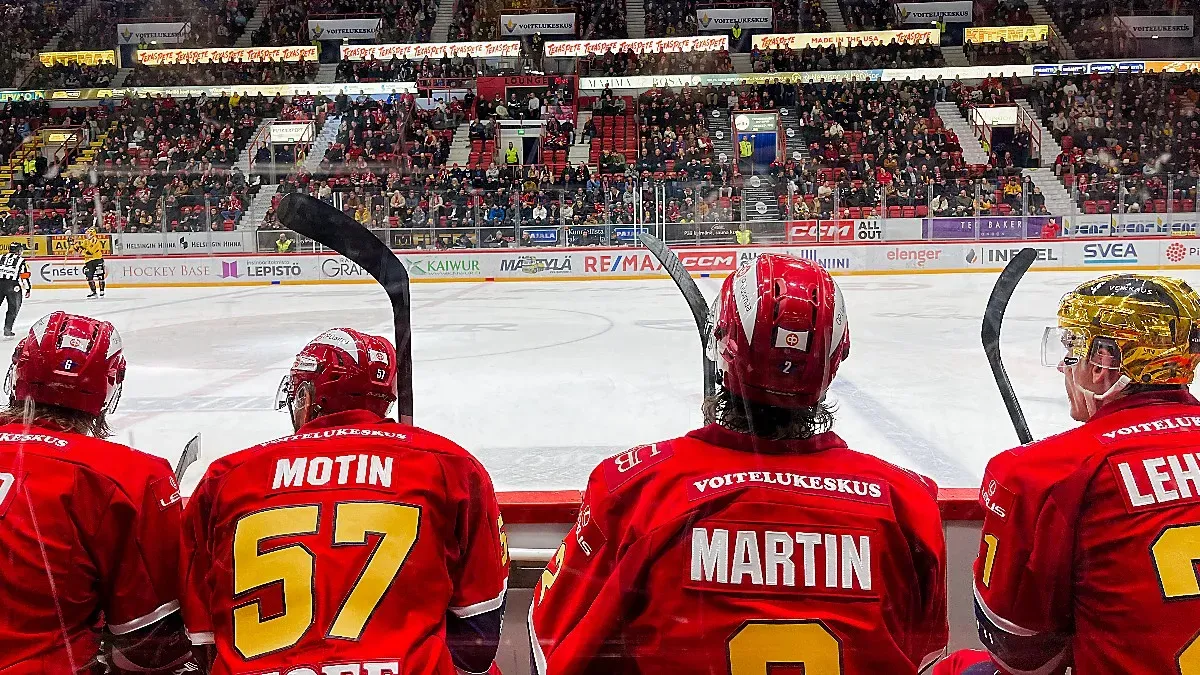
[[348, 370], [70, 361], [779, 332]]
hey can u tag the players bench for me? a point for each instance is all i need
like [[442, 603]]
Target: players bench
[[536, 523]]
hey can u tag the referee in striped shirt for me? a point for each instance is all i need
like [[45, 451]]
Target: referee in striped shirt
[[14, 278]]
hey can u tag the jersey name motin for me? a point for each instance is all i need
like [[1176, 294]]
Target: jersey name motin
[[295, 472]]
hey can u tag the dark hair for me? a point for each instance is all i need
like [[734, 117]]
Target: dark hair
[[764, 421], [30, 414]]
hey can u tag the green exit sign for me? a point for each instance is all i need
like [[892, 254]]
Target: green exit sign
[[520, 132]]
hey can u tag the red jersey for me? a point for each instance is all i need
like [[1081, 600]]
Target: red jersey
[[343, 545], [1090, 542], [723, 553], [87, 528]]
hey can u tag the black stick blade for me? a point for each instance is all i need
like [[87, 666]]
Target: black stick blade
[[993, 318], [673, 266], [335, 230]]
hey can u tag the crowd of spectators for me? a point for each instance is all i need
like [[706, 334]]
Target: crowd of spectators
[[1006, 53], [404, 70], [843, 57], [385, 135], [1093, 29], [1002, 13], [163, 164], [531, 106], [1128, 130], [868, 14], [71, 76], [631, 63], [671, 130], [670, 18], [29, 24], [201, 74], [480, 20]]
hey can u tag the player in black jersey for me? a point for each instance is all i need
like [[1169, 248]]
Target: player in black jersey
[[14, 283]]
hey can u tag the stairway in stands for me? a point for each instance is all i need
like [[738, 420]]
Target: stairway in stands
[[719, 130], [972, 151], [789, 126], [460, 147], [1042, 17], [834, 11], [325, 137], [759, 199], [635, 18], [955, 56], [253, 24], [327, 73], [441, 24]]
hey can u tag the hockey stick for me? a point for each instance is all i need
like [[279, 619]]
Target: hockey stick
[[695, 300], [191, 452], [333, 229], [993, 317]]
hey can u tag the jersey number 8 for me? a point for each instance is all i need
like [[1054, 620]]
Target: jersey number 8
[[292, 568], [757, 645]]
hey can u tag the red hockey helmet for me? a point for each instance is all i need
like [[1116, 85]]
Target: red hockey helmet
[[348, 370], [779, 332], [70, 361]]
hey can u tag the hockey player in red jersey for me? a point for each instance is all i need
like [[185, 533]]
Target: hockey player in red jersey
[[759, 543], [88, 528], [356, 546], [1090, 537]]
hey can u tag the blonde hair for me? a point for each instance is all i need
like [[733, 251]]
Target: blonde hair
[[30, 414]]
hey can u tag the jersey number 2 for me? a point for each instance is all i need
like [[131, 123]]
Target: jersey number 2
[[760, 644], [292, 568], [1175, 552]]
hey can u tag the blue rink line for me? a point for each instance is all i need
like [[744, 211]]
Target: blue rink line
[[924, 454]]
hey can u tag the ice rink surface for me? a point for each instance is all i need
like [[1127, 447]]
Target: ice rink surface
[[542, 380]]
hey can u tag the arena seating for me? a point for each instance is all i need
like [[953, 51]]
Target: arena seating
[[1002, 53], [631, 63], [1123, 138], [403, 70], [29, 25], [895, 55], [71, 76], [670, 18], [222, 73]]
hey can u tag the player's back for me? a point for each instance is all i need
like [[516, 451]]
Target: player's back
[[82, 525], [344, 543], [1136, 595], [803, 553]]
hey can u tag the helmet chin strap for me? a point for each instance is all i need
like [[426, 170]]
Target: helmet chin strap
[[1093, 401]]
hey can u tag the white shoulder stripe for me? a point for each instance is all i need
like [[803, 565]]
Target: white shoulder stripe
[[202, 638], [539, 657], [481, 607], [1000, 622], [139, 623]]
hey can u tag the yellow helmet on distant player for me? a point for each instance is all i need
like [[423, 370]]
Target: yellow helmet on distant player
[[91, 232], [1146, 326]]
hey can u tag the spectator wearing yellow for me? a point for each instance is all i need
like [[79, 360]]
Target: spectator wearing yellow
[[363, 215], [283, 244], [743, 236], [510, 155]]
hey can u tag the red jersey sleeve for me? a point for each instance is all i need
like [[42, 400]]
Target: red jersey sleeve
[[1023, 571], [929, 632], [136, 548], [577, 603], [195, 563], [481, 578]]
